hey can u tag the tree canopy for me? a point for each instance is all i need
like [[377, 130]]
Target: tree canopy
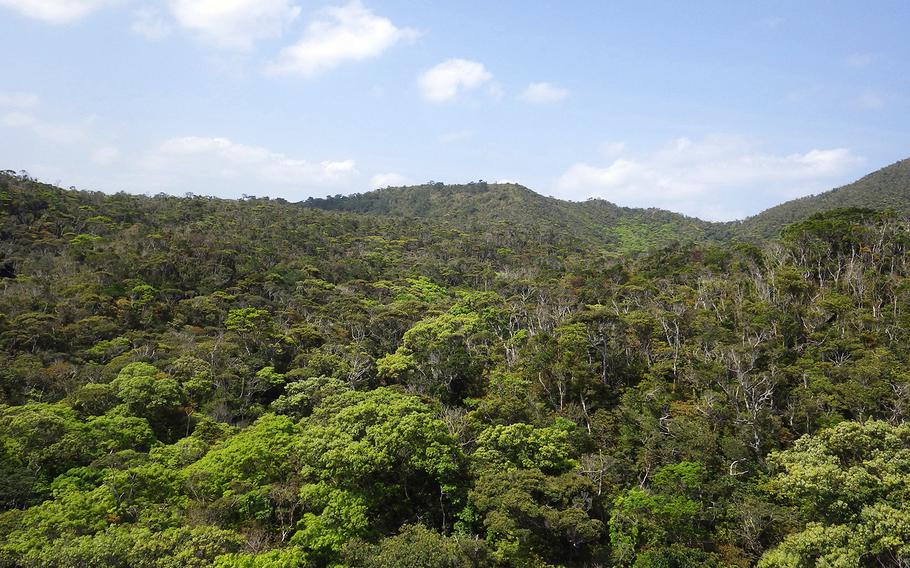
[[447, 376]]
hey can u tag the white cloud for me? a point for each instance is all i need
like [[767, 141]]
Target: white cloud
[[55, 11], [234, 24], [150, 24], [18, 100], [706, 178], [339, 34], [388, 180], [445, 81], [106, 155], [52, 132], [197, 157], [544, 93]]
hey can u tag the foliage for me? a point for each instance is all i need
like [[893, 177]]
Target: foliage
[[451, 376], [849, 486]]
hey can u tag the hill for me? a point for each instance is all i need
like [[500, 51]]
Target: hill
[[473, 206], [465, 376], [887, 188], [604, 225]]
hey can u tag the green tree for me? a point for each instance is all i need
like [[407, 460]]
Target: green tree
[[660, 522], [149, 393], [371, 460], [530, 518], [848, 485], [416, 546]]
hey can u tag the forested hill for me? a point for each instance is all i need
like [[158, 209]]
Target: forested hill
[[475, 205], [198, 244], [887, 188], [605, 225], [201, 382]]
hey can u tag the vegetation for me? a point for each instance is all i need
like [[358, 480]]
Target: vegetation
[[441, 377], [480, 205], [882, 190]]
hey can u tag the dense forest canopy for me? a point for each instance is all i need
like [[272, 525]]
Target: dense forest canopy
[[441, 377]]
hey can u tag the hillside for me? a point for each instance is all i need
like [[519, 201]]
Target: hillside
[[597, 223], [200, 244], [604, 225], [887, 188], [463, 376]]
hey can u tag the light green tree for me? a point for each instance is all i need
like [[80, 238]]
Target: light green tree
[[850, 487]]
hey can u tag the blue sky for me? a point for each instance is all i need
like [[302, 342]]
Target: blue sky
[[714, 109]]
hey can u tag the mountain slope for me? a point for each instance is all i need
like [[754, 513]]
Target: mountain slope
[[603, 224], [887, 188], [469, 206], [600, 223], [183, 376]]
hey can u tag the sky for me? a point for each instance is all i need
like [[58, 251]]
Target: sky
[[715, 109]]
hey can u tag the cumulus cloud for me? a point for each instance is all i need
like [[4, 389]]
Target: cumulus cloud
[[707, 178], [340, 34], [446, 80], [544, 93], [61, 134], [388, 180], [234, 24], [192, 158], [55, 11]]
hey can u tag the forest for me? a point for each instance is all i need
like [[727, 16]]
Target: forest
[[477, 377]]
